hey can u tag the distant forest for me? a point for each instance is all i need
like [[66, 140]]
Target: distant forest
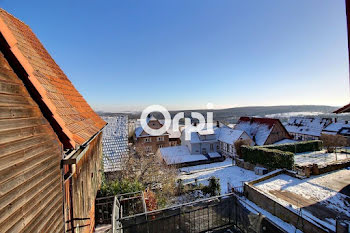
[[231, 115]]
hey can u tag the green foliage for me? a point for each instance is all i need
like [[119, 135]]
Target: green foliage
[[120, 186], [270, 158], [298, 147], [213, 188]]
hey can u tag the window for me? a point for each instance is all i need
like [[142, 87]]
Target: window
[[148, 149], [160, 146], [147, 139], [211, 147], [160, 139]]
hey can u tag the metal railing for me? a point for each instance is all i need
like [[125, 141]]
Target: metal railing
[[104, 208], [212, 214]]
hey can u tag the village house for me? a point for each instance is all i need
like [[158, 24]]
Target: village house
[[204, 146], [174, 135], [146, 143], [306, 128], [227, 139], [50, 140], [202, 142], [263, 131], [341, 128]]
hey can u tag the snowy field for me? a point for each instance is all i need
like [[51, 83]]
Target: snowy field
[[320, 191], [318, 157], [225, 171]]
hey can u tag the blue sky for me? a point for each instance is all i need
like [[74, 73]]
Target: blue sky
[[125, 55]]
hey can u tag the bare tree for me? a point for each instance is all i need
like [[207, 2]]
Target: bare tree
[[153, 173], [331, 142]]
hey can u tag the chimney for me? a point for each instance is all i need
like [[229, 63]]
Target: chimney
[[217, 124]]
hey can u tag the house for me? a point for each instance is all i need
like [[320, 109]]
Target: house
[[263, 131], [307, 128], [228, 137], [50, 140], [202, 142], [338, 128], [174, 135], [204, 146], [115, 144], [146, 143]]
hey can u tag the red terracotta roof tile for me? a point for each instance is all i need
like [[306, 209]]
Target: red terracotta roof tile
[[70, 110], [344, 109], [266, 121]]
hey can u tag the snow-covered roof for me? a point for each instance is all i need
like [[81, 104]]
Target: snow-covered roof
[[214, 155], [285, 141], [336, 127], [138, 131], [117, 126], [228, 135], [115, 142], [206, 132], [179, 154], [195, 135], [345, 131], [307, 125], [258, 130], [115, 149], [174, 134]]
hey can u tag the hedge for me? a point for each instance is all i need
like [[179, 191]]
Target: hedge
[[270, 158], [298, 147]]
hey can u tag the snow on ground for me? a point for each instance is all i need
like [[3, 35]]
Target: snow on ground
[[285, 141], [313, 189], [227, 162], [292, 114], [318, 157], [225, 171]]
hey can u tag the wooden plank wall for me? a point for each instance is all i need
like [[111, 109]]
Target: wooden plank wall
[[30, 154], [86, 182]]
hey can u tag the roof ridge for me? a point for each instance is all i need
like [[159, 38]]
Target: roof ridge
[[11, 15], [57, 92]]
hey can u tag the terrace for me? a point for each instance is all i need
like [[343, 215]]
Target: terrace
[[312, 204]]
